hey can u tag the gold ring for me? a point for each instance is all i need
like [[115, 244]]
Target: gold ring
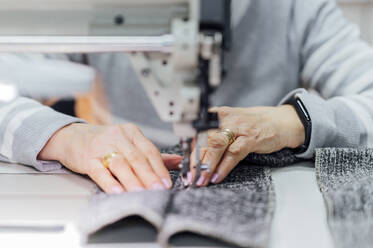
[[229, 134], [107, 159]]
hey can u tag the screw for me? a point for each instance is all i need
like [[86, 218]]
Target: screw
[[145, 72], [119, 20]]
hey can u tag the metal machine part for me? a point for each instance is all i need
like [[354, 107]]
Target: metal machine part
[[176, 47]]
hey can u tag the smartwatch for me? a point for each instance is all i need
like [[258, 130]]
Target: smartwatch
[[305, 119]]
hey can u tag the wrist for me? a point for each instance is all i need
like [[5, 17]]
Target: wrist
[[56, 149], [291, 127]]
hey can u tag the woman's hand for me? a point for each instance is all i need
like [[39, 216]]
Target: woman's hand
[[258, 130], [140, 165]]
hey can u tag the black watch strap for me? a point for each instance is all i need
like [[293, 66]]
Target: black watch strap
[[306, 120]]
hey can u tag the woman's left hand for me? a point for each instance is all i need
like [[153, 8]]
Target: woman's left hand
[[260, 130]]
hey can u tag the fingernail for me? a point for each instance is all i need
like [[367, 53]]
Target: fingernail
[[117, 190], [157, 186], [214, 177], [137, 189], [189, 177], [201, 180], [166, 183]]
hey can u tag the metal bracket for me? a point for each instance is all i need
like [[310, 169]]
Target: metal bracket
[[171, 80]]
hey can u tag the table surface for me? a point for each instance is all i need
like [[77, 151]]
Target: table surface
[[44, 208]]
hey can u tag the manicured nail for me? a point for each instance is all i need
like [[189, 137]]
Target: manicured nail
[[157, 186], [189, 177], [117, 190], [166, 183], [201, 180], [214, 177], [137, 189]]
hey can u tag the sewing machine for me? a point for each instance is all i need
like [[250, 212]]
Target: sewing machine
[[176, 47], [299, 219]]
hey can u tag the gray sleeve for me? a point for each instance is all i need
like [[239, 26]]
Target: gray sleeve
[[45, 76], [338, 65], [25, 128]]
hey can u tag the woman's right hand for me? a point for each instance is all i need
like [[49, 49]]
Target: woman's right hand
[[139, 166]]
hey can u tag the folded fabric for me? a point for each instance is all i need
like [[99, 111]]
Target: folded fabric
[[281, 158], [238, 211], [345, 178], [104, 210]]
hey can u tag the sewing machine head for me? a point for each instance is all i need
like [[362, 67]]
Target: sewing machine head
[[176, 47]]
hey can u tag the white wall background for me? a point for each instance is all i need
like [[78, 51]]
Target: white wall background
[[361, 13]]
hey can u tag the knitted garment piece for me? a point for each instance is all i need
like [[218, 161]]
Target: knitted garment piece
[[345, 178], [104, 209], [282, 158], [237, 211]]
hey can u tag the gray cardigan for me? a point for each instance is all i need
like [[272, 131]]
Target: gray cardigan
[[280, 47]]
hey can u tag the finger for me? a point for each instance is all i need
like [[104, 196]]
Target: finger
[[221, 111], [138, 163], [123, 172], [151, 153], [225, 110], [217, 144], [102, 176], [140, 166], [171, 161], [234, 154], [213, 109]]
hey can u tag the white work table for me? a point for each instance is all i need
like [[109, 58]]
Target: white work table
[[44, 209]]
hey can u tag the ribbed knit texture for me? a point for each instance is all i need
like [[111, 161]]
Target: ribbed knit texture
[[345, 178], [238, 211]]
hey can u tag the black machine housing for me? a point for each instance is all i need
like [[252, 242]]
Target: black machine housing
[[215, 17]]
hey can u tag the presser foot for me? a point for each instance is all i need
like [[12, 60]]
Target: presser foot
[[189, 182], [185, 174]]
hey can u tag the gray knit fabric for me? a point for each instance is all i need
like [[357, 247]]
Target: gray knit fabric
[[237, 211], [345, 178], [105, 209], [282, 158]]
